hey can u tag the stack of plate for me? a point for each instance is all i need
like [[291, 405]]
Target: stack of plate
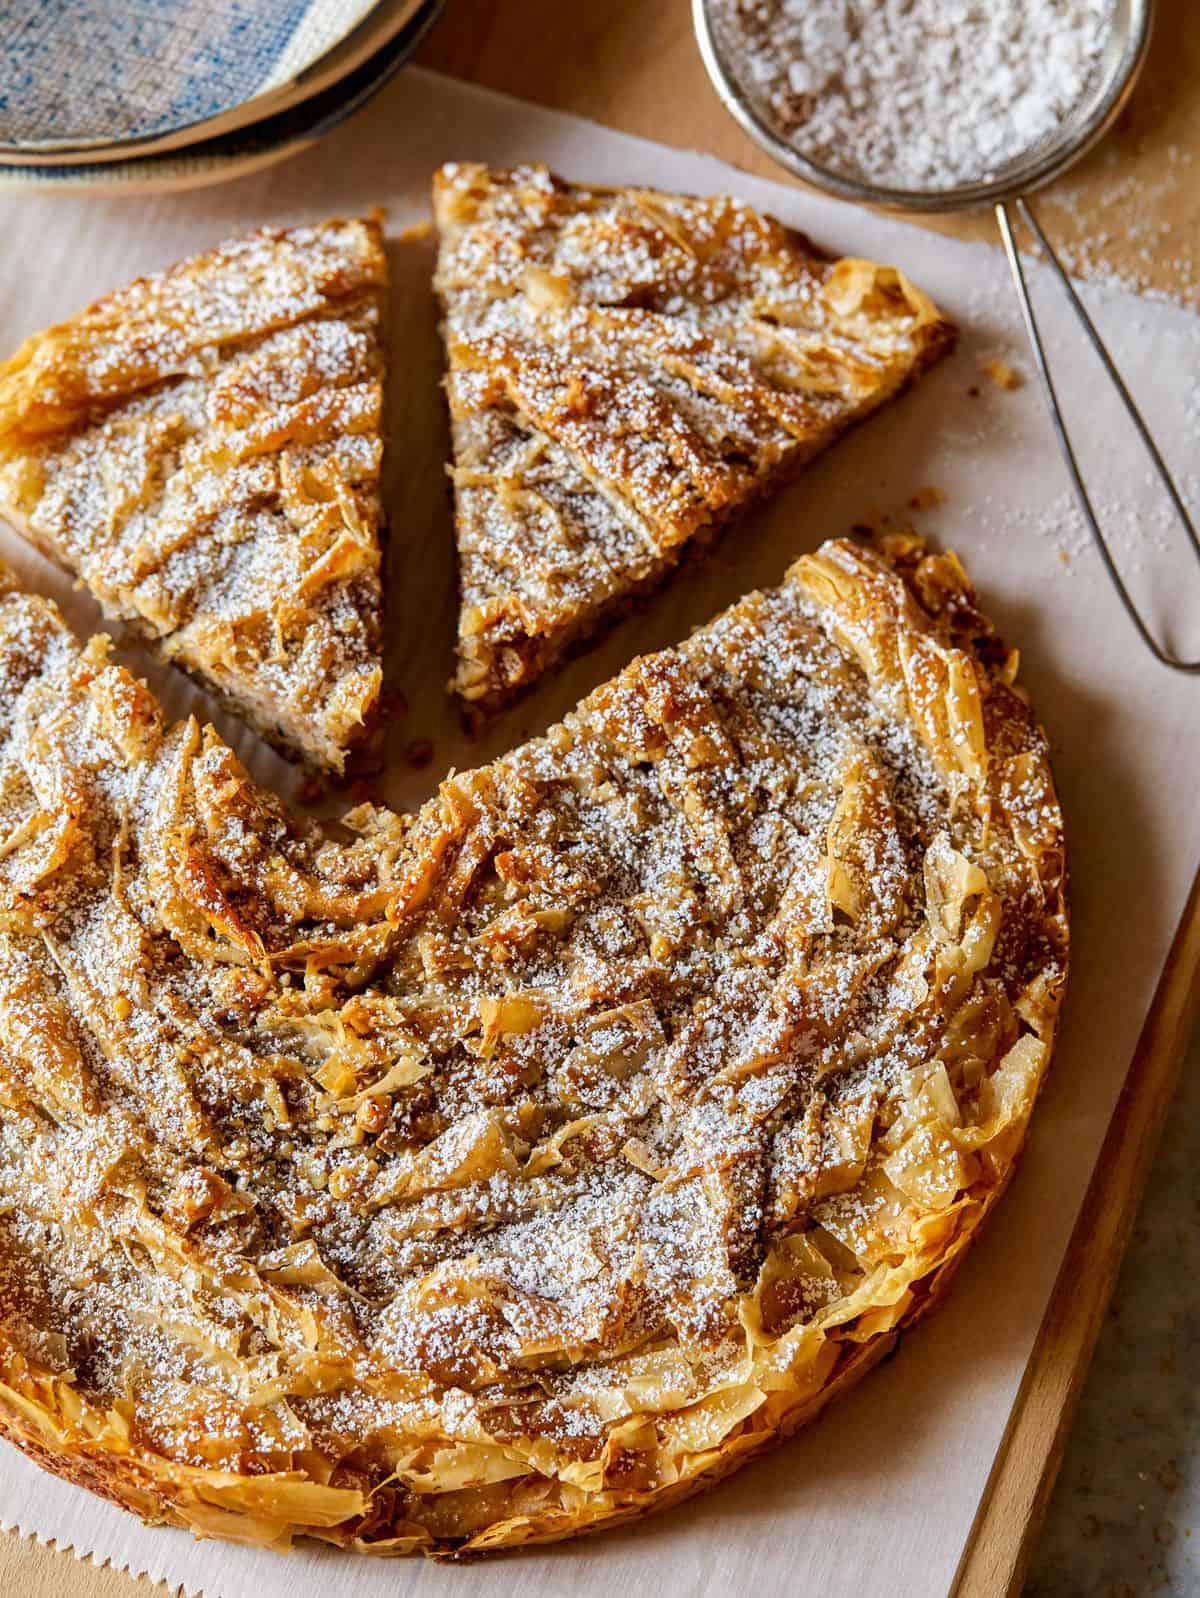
[[160, 94]]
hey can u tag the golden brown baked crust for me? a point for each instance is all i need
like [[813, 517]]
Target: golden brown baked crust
[[203, 449], [627, 370], [456, 1181]]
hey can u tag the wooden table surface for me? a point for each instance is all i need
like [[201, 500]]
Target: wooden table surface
[[1131, 213]]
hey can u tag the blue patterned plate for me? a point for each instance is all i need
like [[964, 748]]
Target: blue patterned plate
[[79, 75], [216, 160]]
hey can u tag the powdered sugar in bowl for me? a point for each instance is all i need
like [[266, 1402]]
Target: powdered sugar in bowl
[[929, 105]]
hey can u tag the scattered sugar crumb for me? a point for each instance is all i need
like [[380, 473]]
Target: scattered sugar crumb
[[927, 497], [1002, 374], [312, 790]]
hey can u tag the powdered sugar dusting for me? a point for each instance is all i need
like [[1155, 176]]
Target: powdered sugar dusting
[[919, 94]]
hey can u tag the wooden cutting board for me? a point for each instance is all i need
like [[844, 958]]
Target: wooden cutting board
[[1131, 211]]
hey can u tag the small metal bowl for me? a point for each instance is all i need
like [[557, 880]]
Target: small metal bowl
[[1124, 55]]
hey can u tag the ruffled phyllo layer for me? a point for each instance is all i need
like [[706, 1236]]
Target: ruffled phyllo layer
[[459, 1180]]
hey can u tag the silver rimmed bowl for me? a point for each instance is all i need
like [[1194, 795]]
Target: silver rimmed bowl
[[1121, 60]]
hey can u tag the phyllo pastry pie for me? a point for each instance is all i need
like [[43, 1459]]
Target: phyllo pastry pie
[[448, 1182], [202, 449], [627, 370]]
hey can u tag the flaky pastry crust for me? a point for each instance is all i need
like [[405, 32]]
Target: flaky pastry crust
[[450, 1182], [203, 449], [628, 370]]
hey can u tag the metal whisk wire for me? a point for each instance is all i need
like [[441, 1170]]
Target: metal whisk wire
[[1029, 317]]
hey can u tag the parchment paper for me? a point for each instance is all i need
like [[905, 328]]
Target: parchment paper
[[879, 1497]]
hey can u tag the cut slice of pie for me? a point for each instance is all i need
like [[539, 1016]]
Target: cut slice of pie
[[202, 449], [628, 370]]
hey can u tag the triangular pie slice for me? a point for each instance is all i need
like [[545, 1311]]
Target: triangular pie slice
[[627, 371], [455, 1181], [202, 449]]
